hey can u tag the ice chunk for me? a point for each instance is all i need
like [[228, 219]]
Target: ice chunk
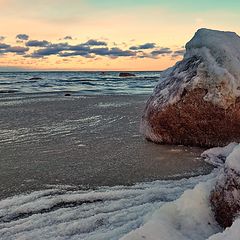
[[233, 160], [217, 156]]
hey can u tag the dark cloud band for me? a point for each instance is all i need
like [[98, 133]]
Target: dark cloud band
[[22, 37], [89, 49]]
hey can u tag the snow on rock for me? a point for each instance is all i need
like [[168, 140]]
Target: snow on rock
[[199, 95], [233, 160], [220, 68], [232, 233], [217, 156], [225, 198]]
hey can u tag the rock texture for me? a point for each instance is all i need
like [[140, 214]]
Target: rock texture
[[197, 102], [225, 198]]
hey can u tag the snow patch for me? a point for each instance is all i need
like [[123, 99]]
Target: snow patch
[[217, 156], [233, 160], [189, 217], [232, 233]]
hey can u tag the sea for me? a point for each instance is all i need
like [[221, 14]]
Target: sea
[[80, 83], [87, 133]]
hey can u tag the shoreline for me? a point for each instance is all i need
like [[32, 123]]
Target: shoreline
[[84, 141]]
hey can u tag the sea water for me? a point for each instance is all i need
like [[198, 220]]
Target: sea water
[[78, 82], [45, 139]]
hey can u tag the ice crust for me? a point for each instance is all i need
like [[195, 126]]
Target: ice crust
[[190, 217], [107, 213], [211, 62], [159, 210]]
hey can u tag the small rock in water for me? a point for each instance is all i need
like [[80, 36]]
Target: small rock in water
[[35, 78], [197, 102], [126, 74], [67, 95]]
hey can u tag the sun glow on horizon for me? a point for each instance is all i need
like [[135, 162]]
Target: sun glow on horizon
[[127, 30]]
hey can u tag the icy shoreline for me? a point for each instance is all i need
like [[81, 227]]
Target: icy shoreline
[[104, 214], [173, 209], [190, 217]]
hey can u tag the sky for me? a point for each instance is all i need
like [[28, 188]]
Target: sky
[[105, 34]]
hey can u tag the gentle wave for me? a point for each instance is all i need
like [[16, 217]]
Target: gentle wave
[[78, 82]]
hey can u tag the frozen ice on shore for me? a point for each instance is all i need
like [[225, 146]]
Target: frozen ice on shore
[[159, 210], [190, 217], [107, 213]]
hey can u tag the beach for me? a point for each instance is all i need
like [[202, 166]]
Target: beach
[[119, 120], [73, 162], [83, 142]]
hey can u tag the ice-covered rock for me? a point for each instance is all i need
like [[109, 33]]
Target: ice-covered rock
[[225, 198], [197, 102]]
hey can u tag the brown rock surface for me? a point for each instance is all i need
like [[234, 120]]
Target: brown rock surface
[[193, 121], [225, 198]]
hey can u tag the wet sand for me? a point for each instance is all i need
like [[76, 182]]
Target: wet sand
[[83, 141]]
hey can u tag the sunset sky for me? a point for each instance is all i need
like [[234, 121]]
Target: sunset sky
[[105, 34]]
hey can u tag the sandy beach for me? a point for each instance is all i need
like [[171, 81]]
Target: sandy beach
[[82, 141]]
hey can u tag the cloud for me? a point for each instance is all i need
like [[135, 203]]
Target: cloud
[[53, 49], [4, 46], [179, 53], [78, 47], [76, 53], [161, 51], [92, 52], [92, 48], [93, 42], [22, 37], [88, 49], [68, 38], [143, 46], [37, 43], [113, 52], [17, 49], [2, 38]]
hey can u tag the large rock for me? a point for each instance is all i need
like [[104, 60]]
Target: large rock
[[225, 198], [197, 102]]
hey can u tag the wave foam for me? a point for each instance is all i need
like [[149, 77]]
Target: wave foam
[[106, 213]]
